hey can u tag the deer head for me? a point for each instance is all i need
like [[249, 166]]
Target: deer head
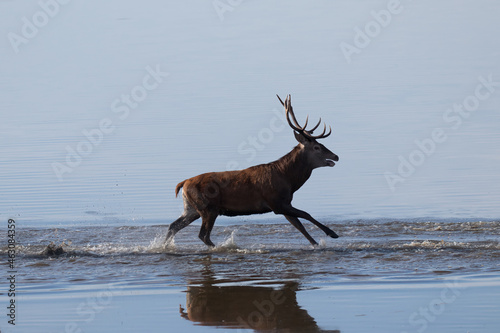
[[317, 154]]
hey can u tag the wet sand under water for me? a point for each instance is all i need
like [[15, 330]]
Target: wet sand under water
[[394, 276]]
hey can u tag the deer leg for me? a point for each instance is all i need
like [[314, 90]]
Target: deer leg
[[179, 224], [296, 223], [187, 217], [292, 211], [207, 224]]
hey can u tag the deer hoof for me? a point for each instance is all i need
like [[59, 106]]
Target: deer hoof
[[207, 241], [332, 234]]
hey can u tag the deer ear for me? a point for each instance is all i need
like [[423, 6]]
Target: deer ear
[[300, 138]]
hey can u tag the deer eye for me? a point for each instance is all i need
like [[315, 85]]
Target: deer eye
[[317, 148]]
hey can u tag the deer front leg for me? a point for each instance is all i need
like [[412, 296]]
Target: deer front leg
[[296, 223], [292, 211]]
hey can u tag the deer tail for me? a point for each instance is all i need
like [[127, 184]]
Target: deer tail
[[178, 187]]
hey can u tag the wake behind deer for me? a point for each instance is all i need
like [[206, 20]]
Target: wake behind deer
[[259, 189]]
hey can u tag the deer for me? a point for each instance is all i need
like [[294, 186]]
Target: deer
[[258, 189]]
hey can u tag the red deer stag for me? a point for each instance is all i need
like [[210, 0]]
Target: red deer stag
[[259, 189]]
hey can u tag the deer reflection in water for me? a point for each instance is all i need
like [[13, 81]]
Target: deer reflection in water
[[258, 308]]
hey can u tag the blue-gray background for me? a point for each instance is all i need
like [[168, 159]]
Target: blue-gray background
[[225, 63]]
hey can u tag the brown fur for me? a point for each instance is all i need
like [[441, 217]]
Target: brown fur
[[178, 187], [256, 190]]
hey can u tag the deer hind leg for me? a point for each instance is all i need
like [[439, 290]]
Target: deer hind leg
[[297, 224], [188, 216], [207, 223]]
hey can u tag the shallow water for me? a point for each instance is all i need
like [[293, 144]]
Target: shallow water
[[260, 276], [370, 248]]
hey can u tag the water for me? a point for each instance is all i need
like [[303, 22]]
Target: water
[[105, 108], [259, 276], [365, 248], [220, 90]]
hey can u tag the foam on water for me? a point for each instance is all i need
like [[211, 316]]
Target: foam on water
[[276, 251]]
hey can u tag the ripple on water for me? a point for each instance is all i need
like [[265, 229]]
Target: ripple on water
[[363, 249]]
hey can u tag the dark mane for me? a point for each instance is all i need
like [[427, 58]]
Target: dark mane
[[282, 164], [294, 166]]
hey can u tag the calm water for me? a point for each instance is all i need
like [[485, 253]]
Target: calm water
[[106, 107], [220, 90]]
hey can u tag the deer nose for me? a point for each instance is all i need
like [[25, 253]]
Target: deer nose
[[335, 158]]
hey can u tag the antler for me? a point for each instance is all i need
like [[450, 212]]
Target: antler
[[302, 129]]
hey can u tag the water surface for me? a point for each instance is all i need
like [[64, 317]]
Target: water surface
[[262, 276], [107, 106], [220, 91]]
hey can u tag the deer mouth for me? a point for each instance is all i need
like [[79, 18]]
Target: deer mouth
[[329, 162]]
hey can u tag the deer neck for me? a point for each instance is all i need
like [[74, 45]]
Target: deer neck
[[295, 167]]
